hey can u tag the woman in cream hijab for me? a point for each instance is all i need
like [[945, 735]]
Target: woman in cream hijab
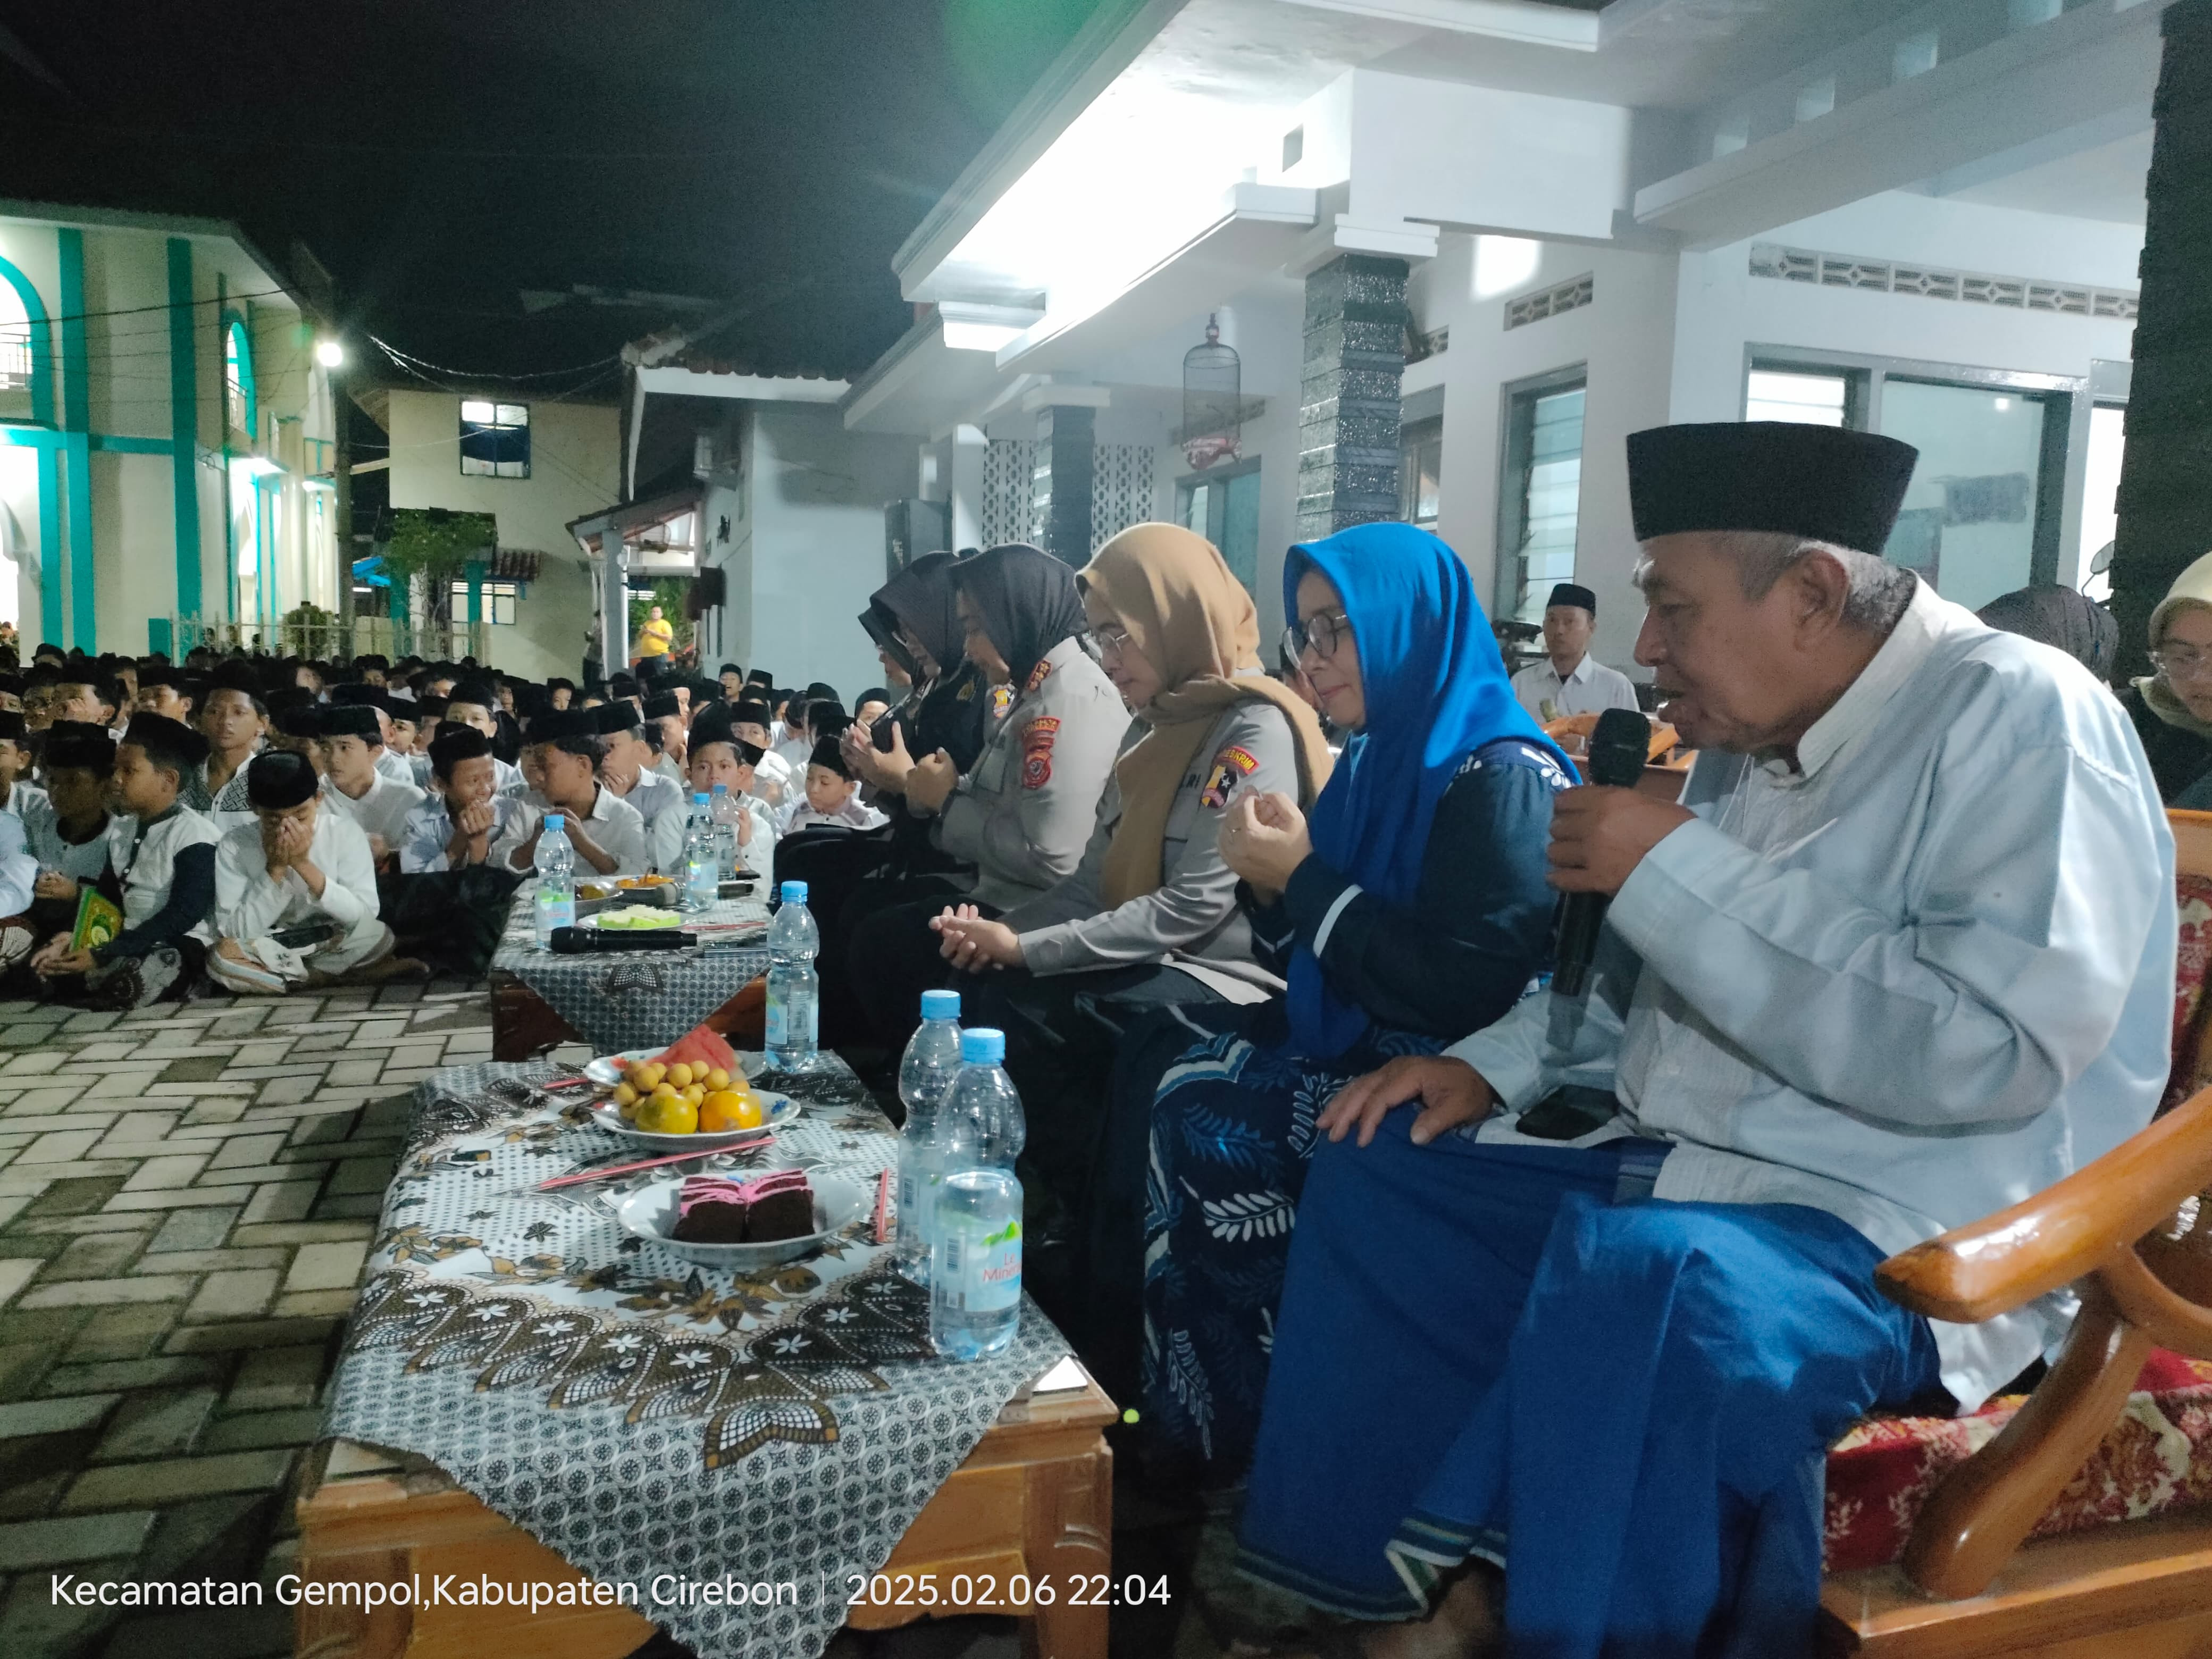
[[2171, 707], [1150, 916]]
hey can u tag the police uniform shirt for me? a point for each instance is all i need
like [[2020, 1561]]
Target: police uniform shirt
[[1194, 912], [1023, 813]]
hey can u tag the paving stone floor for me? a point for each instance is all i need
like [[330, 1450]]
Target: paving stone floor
[[186, 1200], [186, 1197]]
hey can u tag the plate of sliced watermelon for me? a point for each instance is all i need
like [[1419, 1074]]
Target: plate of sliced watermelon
[[700, 1049]]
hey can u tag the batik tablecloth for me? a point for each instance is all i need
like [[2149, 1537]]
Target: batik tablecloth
[[638, 999], [638, 1414]]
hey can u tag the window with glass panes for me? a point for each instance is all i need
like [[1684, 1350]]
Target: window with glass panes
[[497, 602], [1420, 472], [495, 439], [1542, 500]]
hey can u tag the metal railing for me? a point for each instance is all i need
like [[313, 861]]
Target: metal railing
[[333, 638]]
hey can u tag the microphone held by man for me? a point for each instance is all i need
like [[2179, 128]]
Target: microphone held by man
[[1618, 749]]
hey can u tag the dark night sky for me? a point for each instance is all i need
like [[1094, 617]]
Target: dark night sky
[[439, 156]]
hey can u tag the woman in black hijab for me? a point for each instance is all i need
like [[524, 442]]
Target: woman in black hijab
[[914, 621], [1022, 814]]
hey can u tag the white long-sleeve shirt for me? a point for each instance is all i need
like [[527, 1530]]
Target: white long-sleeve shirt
[[382, 811], [1910, 984], [18, 869], [1591, 689], [613, 823], [248, 904]]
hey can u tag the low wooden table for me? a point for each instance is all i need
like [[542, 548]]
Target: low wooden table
[[1033, 1501]]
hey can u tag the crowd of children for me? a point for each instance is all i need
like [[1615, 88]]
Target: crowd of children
[[262, 823]]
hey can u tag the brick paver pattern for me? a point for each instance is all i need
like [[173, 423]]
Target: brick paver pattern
[[186, 1197]]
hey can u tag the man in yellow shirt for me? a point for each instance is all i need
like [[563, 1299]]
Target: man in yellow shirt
[[655, 638]]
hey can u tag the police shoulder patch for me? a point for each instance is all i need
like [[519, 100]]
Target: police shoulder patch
[[1037, 738], [1230, 767]]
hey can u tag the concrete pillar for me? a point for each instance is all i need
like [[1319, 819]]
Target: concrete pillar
[[1355, 356], [1066, 477], [962, 479], [2166, 479], [614, 607]]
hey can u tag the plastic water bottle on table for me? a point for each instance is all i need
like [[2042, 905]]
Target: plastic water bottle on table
[[926, 1074], [555, 861], [702, 876], [794, 990], [725, 811], [975, 1235]]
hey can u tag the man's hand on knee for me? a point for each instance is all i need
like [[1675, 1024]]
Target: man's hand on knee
[[1451, 1092]]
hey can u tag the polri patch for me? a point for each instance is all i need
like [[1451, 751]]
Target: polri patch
[[1037, 738], [1038, 676], [1230, 768], [1002, 699]]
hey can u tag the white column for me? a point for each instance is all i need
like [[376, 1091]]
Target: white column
[[614, 607], [964, 484]]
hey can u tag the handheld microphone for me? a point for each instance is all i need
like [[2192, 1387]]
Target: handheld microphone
[[1617, 750], [611, 941]]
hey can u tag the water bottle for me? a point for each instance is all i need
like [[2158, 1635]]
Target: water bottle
[[703, 875], [794, 992], [975, 1234], [926, 1073], [556, 880], [725, 812]]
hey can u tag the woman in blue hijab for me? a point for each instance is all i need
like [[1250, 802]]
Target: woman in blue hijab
[[1409, 911]]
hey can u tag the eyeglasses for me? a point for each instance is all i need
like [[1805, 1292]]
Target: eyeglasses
[[1114, 641], [2182, 662], [1323, 636]]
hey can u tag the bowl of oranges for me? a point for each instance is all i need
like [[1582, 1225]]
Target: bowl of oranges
[[675, 1106]]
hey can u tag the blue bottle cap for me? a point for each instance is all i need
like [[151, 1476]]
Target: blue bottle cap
[[794, 892], [554, 820], [698, 798], [981, 1046], [941, 1005], [721, 788]]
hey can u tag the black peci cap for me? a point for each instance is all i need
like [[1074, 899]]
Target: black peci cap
[[1824, 484]]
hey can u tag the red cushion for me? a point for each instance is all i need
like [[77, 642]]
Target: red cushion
[[2159, 1458]]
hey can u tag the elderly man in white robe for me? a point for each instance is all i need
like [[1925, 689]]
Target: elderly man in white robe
[[1903, 956]]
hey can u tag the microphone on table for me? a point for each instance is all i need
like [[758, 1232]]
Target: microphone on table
[[1617, 750]]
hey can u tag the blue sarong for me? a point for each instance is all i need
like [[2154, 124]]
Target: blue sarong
[[1505, 1351]]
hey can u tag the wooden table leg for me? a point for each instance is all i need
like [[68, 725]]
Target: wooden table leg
[[523, 1023], [1068, 1538]]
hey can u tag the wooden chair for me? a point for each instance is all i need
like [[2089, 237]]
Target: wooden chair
[[2132, 1232]]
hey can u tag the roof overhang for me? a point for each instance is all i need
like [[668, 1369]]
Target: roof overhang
[[627, 519], [677, 380]]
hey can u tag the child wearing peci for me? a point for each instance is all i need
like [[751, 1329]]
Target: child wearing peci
[[832, 793], [161, 871]]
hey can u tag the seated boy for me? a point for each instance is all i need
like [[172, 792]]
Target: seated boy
[[832, 793], [665, 713], [376, 699], [476, 704], [296, 726], [353, 782], [719, 756], [774, 780], [161, 864], [17, 791], [564, 755], [404, 744], [295, 891], [632, 747], [161, 691], [464, 816]]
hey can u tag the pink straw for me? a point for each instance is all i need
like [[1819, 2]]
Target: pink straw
[[643, 1163]]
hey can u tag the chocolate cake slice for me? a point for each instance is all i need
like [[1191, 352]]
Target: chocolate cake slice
[[716, 1210], [786, 1211]]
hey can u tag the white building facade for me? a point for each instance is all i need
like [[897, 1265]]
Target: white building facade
[[1462, 248]]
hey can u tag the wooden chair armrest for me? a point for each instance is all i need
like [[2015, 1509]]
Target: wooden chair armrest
[[2063, 1233]]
